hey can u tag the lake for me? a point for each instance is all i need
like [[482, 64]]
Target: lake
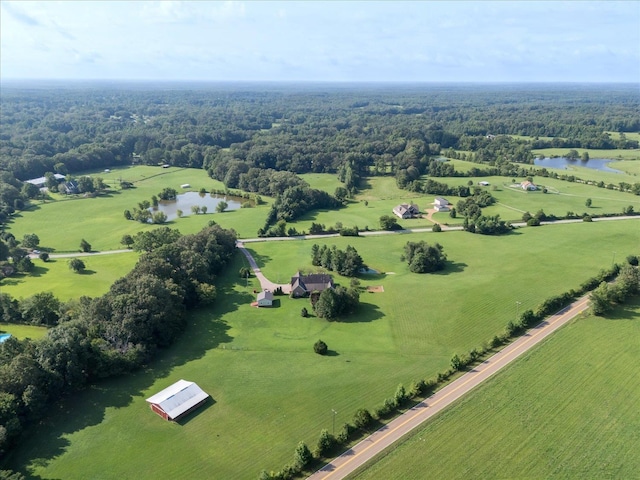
[[185, 201], [563, 162]]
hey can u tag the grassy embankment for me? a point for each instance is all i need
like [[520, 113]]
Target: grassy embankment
[[270, 390], [568, 409]]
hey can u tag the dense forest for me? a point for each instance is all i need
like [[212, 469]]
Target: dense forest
[[348, 130]]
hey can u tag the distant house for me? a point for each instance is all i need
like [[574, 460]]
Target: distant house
[[185, 185], [40, 182], [303, 285], [441, 204], [527, 185], [177, 400], [406, 210], [265, 299], [71, 187], [483, 184]]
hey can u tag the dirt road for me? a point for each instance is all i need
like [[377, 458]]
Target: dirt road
[[368, 448]]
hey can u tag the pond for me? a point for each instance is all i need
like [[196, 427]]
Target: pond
[[4, 336], [185, 201], [563, 162]]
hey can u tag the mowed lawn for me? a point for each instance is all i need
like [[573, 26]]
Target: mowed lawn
[[23, 331], [270, 390], [568, 409], [61, 224], [55, 276]]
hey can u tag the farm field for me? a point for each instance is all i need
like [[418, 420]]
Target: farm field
[[55, 276], [568, 409], [62, 224], [267, 385]]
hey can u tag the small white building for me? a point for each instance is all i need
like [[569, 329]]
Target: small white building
[[483, 183], [529, 186], [441, 204], [265, 299], [185, 185], [177, 400]]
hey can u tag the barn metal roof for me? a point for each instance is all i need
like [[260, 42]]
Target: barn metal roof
[[176, 399]]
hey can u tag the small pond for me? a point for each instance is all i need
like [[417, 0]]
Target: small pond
[[563, 162], [4, 337], [185, 201]]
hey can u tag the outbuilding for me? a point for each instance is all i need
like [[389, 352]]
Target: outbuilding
[[177, 400], [185, 185], [265, 299]]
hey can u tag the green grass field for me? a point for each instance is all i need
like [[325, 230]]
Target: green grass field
[[271, 391], [616, 154], [23, 331], [55, 276], [568, 409], [63, 223]]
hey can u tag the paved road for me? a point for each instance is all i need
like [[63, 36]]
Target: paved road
[[368, 448]]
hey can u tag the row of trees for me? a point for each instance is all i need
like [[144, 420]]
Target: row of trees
[[108, 335]]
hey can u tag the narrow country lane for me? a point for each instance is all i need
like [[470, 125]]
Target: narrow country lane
[[371, 446]]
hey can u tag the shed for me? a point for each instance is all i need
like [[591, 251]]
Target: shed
[[185, 185], [177, 400], [265, 299]]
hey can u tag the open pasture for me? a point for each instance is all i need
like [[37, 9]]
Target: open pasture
[[270, 390], [568, 409], [381, 195], [55, 276], [615, 154], [23, 331], [61, 224], [562, 197]]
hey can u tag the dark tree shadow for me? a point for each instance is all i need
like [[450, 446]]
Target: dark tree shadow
[[452, 267], [87, 272], [366, 312], [38, 271]]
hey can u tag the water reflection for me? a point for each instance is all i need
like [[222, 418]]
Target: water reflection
[[563, 162], [185, 202]]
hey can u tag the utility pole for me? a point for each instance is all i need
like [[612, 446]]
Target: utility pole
[[334, 421]]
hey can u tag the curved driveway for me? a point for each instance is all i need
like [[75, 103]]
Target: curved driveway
[[265, 283], [368, 448]]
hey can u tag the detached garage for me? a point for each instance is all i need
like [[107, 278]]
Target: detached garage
[[177, 400]]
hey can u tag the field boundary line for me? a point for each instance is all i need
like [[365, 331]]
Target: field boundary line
[[375, 443]]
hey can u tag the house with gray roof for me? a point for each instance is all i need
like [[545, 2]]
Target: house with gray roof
[[303, 285]]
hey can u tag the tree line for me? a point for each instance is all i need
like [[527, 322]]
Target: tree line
[[295, 129], [93, 338]]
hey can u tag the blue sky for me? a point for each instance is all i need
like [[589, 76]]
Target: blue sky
[[435, 41]]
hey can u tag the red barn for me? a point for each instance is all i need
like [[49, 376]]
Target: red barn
[[177, 400]]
